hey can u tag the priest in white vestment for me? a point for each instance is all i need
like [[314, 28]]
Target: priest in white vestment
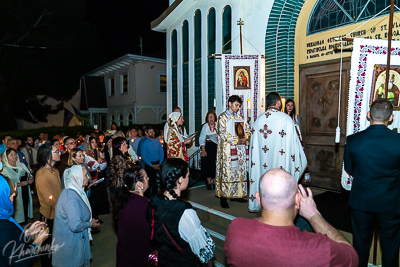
[[274, 144]]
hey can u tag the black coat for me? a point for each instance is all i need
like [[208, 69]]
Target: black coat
[[14, 241], [372, 156]]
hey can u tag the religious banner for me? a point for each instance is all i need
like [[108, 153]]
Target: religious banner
[[367, 83], [243, 75]]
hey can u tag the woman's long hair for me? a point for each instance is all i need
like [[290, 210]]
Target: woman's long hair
[[72, 154], [116, 145], [131, 177], [170, 171], [293, 114]]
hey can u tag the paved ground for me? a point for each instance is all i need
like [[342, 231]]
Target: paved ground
[[105, 240]]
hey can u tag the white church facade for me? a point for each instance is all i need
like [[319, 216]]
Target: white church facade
[[298, 51]]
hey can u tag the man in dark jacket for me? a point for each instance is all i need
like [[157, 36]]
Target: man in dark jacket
[[372, 156]]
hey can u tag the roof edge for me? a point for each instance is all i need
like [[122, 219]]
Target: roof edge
[[156, 23]]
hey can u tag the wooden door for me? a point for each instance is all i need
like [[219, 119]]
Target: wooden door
[[318, 112]]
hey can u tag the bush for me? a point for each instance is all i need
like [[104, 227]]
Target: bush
[[67, 131], [52, 131]]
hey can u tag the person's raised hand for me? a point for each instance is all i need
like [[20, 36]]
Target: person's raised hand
[[41, 236], [308, 208], [95, 223], [34, 228]]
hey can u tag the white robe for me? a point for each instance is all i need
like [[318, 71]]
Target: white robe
[[274, 144], [19, 214]]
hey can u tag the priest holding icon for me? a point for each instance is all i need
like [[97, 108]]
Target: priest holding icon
[[232, 154]]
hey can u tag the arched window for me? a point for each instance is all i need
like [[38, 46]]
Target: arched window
[[130, 119], [197, 34], [329, 14], [174, 43], [226, 29], [211, 32], [185, 72], [185, 41], [120, 120]]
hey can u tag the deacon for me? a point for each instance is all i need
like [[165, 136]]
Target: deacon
[[274, 145], [232, 154]]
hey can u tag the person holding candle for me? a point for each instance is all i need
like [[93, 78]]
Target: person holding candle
[[22, 177], [119, 163], [12, 233], [176, 142], [208, 149], [48, 186], [73, 221], [97, 166], [134, 139]]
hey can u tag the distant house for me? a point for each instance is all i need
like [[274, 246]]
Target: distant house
[[129, 90]]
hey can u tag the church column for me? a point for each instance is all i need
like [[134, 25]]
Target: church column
[[179, 63], [169, 73], [235, 30], [191, 74], [218, 71], [204, 63]]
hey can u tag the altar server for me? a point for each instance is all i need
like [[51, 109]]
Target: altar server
[[274, 144], [232, 154]]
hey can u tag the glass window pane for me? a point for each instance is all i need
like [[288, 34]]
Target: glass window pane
[[211, 32], [227, 29]]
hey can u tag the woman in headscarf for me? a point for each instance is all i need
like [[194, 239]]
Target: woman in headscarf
[[12, 234], [21, 176], [73, 221], [176, 144]]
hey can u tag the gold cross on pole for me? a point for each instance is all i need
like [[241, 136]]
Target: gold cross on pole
[[240, 22]]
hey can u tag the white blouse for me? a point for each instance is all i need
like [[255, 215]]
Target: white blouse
[[204, 132], [191, 230]]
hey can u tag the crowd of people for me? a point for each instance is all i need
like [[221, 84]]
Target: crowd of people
[[139, 179]]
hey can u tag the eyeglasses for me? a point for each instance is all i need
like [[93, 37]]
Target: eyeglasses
[[56, 152], [71, 143]]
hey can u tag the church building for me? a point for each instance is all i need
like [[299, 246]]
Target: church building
[[294, 48]]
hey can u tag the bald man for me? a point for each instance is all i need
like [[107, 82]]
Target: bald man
[[273, 240]]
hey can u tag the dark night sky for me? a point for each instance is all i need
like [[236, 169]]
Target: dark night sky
[[119, 24]]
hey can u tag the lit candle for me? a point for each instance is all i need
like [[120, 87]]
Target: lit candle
[[262, 102], [51, 207], [132, 140], [248, 108], [283, 104]]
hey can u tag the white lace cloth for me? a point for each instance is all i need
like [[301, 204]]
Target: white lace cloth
[[193, 232]]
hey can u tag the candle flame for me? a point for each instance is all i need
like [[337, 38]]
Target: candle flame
[[132, 140], [51, 197]]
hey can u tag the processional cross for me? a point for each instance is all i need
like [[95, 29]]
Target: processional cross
[[240, 22]]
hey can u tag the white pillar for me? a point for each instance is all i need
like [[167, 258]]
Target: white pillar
[[204, 63], [218, 49], [191, 72], [168, 97]]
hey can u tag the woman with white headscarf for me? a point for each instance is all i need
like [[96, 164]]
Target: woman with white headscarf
[[20, 175], [73, 221], [176, 143]]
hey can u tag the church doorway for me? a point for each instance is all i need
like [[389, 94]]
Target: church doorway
[[319, 93]]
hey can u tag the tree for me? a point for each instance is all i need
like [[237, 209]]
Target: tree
[[45, 46]]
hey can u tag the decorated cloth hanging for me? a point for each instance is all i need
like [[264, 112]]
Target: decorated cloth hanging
[[367, 83]]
